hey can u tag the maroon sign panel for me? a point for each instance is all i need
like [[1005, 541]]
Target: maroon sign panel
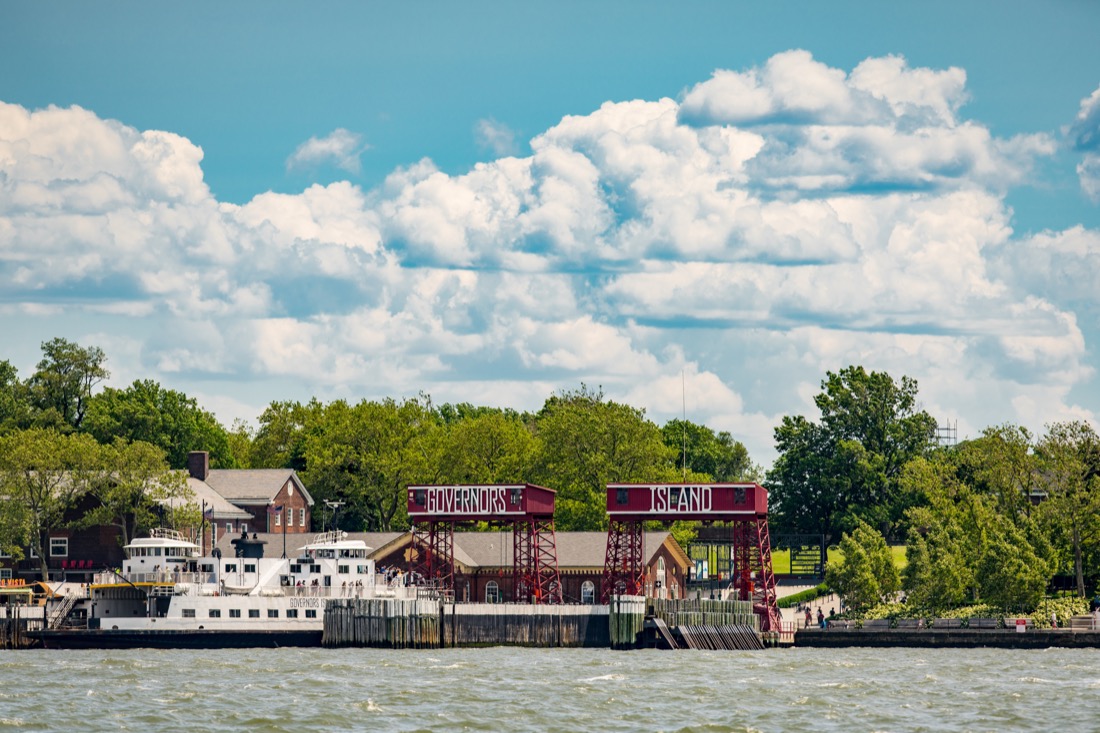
[[695, 502], [473, 503]]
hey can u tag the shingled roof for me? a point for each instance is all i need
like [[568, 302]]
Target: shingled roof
[[253, 485]]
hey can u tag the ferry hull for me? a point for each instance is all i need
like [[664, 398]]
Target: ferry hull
[[175, 639]]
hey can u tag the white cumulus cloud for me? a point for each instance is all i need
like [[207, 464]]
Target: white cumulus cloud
[[340, 148]]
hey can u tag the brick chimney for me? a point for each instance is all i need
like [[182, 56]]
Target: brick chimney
[[198, 464]]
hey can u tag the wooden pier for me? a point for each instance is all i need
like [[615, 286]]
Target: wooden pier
[[627, 622], [16, 620]]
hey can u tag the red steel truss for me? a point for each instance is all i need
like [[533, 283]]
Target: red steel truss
[[433, 553], [753, 578], [623, 566], [743, 505], [528, 509], [535, 576]]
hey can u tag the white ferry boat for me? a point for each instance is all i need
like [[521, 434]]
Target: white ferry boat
[[168, 595]]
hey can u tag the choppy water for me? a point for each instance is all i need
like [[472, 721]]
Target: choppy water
[[808, 690]]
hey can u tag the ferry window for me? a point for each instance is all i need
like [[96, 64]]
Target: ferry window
[[253, 613], [292, 613], [215, 613], [250, 568], [364, 570], [59, 547], [621, 497], [295, 568], [273, 613], [156, 551], [588, 592], [189, 613], [492, 592], [231, 567], [311, 613], [343, 569], [302, 517], [234, 613], [314, 568]]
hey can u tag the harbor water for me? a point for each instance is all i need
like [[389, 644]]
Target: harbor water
[[495, 689]]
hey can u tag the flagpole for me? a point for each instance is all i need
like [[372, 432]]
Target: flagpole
[[284, 535], [202, 528]]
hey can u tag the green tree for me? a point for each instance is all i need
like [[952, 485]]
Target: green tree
[[168, 419], [368, 454], [135, 490], [1069, 460], [490, 447], [280, 441], [45, 473], [1001, 464], [584, 442], [844, 469], [867, 575], [717, 455], [15, 408], [65, 378], [941, 555], [1010, 574]]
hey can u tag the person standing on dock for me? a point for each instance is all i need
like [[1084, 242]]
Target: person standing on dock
[[809, 617]]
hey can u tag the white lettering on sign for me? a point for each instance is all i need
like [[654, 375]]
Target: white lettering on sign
[[467, 500], [680, 499]]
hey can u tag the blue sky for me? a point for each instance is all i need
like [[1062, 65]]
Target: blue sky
[[490, 202]]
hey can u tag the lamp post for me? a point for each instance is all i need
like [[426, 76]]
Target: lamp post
[[335, 507]]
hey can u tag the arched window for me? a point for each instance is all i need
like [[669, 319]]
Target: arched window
[[492, 592], [588, 592]]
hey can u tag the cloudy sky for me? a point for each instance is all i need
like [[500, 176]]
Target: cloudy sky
[[693, 205]]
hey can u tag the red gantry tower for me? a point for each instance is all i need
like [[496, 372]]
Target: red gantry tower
[[744, 506], [528, 509]]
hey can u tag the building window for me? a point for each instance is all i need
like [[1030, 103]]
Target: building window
[[588, 592], [292, 613], [244, 527], [189, 613], [59, 547], [492, 592], [273, 613], [302, 517], [229, 527], [234, 613], [278, 519], [215, 613], [621, 497], [253, 613]]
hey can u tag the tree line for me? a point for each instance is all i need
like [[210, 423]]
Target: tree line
[[994, 517], [362, 454]]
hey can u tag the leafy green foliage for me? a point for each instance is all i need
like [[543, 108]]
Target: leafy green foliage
[[586, 442], [715, 455], [833, 474], [165, 418], [42, 475], [63, 383], [867, 575]]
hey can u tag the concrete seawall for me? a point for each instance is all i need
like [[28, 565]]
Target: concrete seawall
[[947, 638]]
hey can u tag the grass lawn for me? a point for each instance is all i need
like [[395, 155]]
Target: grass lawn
[[896, 551]]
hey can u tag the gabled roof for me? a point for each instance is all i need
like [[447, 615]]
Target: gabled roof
[[253, 485], [221, 508]]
